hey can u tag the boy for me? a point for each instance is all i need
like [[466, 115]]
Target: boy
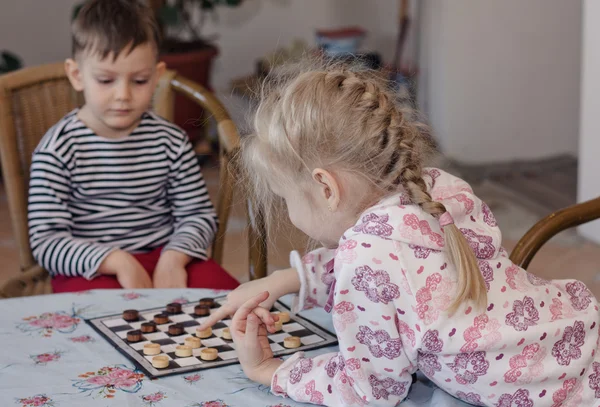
[[111, 178]]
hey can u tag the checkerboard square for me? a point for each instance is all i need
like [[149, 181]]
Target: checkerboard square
[[189, 309], [170, 348], [156, 336], [294, 326], [278, 338], [228, 355], [181, 318], [149, 316], [115, 322], [275, 347], [139, 345], [181, 339], [167, 341], [191, 361], [122, 334], [300, 333], [164, 327], [212, 342], [311, 339], [136, 325]]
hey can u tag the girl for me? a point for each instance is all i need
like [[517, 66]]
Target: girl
[[411, 268]]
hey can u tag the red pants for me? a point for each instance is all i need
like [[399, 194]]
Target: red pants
[[201, 274]]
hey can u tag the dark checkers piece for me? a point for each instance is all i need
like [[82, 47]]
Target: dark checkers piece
[[131, 315], [134, 336], [173, 308], [202, 310], [207, 301], [161, 319], [176, 329], [148, 327]]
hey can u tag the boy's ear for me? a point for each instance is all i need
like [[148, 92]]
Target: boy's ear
[[161, 67], [74, 74]]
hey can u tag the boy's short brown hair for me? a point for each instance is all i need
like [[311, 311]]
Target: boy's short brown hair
[[107, 27]]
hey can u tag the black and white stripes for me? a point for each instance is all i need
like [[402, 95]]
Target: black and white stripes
[[89, 195]]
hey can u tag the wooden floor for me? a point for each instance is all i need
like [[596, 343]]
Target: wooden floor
[[550, 183]]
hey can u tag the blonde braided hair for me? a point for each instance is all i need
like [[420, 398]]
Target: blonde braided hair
[[321, 114]]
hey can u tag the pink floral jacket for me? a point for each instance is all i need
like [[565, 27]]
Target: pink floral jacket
[[388, 286]]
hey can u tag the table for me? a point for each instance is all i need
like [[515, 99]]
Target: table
[[51, 358]]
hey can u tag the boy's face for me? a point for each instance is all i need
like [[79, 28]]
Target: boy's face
[[117, 92]]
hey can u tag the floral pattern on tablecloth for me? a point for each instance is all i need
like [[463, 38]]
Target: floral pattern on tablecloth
[[45, 358], [108, 380], [39, 400]]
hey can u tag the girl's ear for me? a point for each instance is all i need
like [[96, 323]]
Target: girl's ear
[[329, 188]]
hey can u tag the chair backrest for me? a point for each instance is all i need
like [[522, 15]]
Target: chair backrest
[[31, 101], [34, 99], [550, 226]]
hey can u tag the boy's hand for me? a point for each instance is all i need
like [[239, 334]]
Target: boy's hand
[[278, 284], [252, 345], [129, 272], [170, 271]]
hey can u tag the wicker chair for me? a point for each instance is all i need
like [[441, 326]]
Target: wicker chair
[[550, 226], [34, 99]]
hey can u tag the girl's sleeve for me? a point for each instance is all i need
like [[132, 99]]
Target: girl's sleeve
[[372, 365], [315, 271]]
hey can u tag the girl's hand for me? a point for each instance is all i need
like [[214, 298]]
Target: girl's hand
[[250, 337], [278, 284]]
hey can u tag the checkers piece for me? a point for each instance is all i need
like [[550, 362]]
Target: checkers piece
[[134, 336], [205, 333], [226, 334], [148, 327], [202, 310], [292, 342], [160, 362], [193, 342], [174, 308], [207, 301], [131, 315], [176, 329], [183, 351], [151, 349], [209, 354], [284, 317], [160, 319]]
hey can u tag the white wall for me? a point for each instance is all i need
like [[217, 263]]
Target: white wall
[[38, 30], [500, 79], [589, 146], [257, 27]]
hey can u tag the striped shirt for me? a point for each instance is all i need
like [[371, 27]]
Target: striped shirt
[[89, 196]]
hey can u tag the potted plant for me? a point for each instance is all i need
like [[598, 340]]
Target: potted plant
[[9, 62]]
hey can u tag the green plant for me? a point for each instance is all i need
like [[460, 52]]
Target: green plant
[[179, 14], [9, 62]]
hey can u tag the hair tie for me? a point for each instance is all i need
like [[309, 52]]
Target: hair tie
[[446, 219]]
